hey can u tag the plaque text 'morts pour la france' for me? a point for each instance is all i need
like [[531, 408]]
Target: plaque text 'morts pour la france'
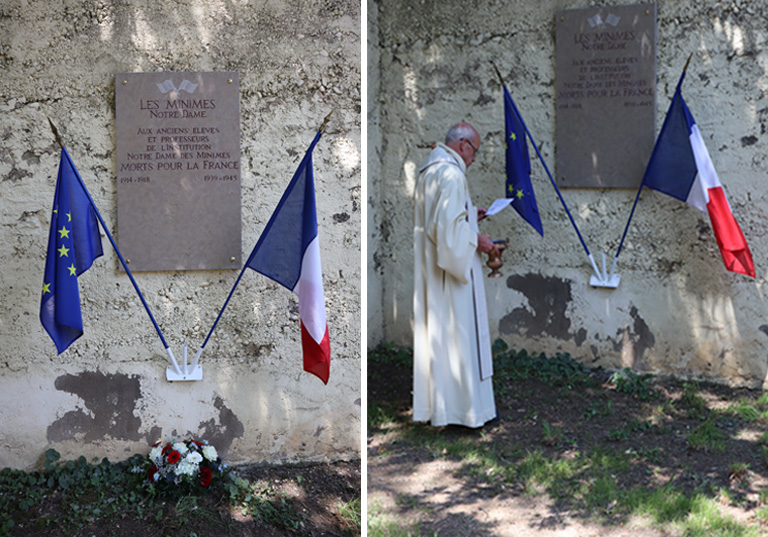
[[605, 84], [178, 170]]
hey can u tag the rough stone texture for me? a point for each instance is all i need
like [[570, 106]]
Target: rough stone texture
[[107, 394], [374, 274], [677, 310]]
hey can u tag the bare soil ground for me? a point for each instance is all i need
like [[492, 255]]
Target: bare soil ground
[[698, 444]]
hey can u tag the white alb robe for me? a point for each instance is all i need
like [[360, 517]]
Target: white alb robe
[[451, 335]]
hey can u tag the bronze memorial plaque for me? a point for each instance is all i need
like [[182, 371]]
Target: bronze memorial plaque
[[606, 94], [178, 170]]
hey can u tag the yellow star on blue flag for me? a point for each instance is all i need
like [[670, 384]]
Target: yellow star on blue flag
[[73, 244], [518, 166]]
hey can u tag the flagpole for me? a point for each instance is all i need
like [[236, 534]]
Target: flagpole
[[551, 179], [117, 251], [640, 189], [226, 302], [240, 276]]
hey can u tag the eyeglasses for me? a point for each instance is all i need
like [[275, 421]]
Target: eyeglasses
[[474, 149]]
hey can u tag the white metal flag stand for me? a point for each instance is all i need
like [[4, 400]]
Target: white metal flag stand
[[607, 279], [185, 371]]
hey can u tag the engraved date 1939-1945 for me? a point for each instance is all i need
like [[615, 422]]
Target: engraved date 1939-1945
[[208, 178]]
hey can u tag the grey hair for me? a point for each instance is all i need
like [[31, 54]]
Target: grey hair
[[460, 131]]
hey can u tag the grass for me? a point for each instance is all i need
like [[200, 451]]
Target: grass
[[752, 411], [380, 415], [638, 386], [553, 436], [694, 515], [692, 401], [263, 502], [707, 436], [382, 525], [589, 480], [351, 513], [586, 476]]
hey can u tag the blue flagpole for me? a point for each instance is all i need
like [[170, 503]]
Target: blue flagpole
[[240, 276], [640, 189], [117, 251], [109, 236], [226, 302], [626, 228], [551, 179]]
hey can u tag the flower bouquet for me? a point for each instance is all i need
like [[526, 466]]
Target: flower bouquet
[[190, 463]]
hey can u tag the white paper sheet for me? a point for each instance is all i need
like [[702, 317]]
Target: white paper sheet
[[498, 205]]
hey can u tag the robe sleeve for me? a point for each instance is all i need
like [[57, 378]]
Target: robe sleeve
[[449, 228]]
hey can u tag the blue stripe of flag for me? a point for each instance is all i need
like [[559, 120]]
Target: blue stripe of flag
[[293, 225]]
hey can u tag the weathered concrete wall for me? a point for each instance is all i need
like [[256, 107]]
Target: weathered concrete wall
[[375, 314], [677, 310], [107, 394]]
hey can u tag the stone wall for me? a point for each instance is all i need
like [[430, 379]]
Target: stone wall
[[107, 395], [677, 310]]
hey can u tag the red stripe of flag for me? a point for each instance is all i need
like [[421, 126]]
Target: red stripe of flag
[[730, 239], [317, 355]]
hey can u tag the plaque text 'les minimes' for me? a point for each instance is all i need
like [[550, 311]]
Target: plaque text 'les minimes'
[[605, 83], [178, 170]]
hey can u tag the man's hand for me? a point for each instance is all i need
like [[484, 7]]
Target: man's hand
[[481, 213], [485, 244]]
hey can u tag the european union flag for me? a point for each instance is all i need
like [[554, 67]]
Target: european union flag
[[518, 166], [73, 244]]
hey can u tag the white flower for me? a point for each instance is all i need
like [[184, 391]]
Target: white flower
[[181, 447], [156, 476], [186, 468], [193, 458], [156, 453], [210, 453]]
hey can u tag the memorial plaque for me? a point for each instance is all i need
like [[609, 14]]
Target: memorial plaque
[[605, 94], [178, 170]]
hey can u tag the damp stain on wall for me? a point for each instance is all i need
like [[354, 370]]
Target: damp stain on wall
[[638, 337], [546, 313], [223, 433], [109, 400]]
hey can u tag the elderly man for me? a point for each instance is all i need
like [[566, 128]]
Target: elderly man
[[451, 349]]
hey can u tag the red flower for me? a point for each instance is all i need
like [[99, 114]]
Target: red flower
[[152, 472], [206, 475], [173, 457], [167, 448]]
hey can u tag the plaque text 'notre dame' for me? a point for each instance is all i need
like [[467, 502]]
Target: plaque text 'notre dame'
[[178, 164], [606, 76]]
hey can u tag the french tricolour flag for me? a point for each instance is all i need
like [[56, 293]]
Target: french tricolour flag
[[288, 252], [680, 167]]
